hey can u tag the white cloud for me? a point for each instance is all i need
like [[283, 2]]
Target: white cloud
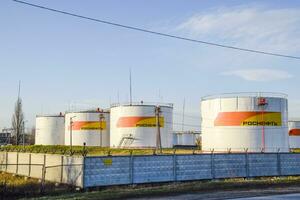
[[256, 27], [259, 74]]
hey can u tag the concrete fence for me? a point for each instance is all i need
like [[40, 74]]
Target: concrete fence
[[117, 170], [55, 168], [104, 171]]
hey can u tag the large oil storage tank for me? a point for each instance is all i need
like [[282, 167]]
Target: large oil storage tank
[[245, 121], [294, 134], [135, 125], [90, 127], [50, 130]]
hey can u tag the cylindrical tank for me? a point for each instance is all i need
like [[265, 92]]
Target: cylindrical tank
[[89, 127], [245, 121], [135, 125], [186, 138], [294, 134], [50, 130]]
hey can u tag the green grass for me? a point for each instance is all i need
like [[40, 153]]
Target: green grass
[[14, 186], [79, 150]]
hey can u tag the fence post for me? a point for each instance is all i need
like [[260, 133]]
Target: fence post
[[212, 159], [62, 169], [17, 166], [131, 168], [29, 170], [43, 175], [174, 167], [247, 163], [278, 163], [6, 161]]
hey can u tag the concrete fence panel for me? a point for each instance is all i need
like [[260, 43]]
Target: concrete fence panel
[[149, 169], [192, 167], [100, 171], [290, 164], [229, 165], [263, 164]]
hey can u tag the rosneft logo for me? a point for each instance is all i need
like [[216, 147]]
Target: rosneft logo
[[148, 121], [88, 125], [248, 119]]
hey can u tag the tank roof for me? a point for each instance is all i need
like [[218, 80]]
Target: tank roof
[[246, 94], [89, 111], [57, 115], [169, 105]]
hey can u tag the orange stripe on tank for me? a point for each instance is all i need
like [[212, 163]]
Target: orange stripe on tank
[[232, 118], [294, 132]]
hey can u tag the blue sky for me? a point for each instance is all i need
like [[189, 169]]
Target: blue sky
[[63, 60]]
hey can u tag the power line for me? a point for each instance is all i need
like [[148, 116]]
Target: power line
[[158, 33]]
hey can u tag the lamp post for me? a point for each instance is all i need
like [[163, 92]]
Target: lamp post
[[24, 133], [101, 117], [71, 136]]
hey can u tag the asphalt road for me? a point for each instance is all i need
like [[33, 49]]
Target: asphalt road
[[274, 197], [290, 193]]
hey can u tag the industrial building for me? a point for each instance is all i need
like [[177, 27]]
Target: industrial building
[[139, 125], [294, 134], [251, 122]]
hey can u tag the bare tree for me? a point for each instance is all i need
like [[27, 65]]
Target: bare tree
[[18, 121]]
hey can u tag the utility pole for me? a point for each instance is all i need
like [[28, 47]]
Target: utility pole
[[130, 86], [101, 117], [71, 135], [158, 136]]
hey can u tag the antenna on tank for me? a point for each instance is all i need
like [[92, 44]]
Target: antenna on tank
[[183, 110], [130, 86]]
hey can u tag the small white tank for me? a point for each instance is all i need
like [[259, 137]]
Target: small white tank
[[245, 121], [134, 126], [294, 134], [186, 138], [90, 127], [50, 130]]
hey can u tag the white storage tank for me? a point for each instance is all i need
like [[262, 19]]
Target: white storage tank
[[50, 130], [135, 125], [186, 138], [90, 127], [294, 134], [245, 121]]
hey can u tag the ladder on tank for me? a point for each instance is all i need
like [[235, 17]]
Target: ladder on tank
[[126, 141]]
